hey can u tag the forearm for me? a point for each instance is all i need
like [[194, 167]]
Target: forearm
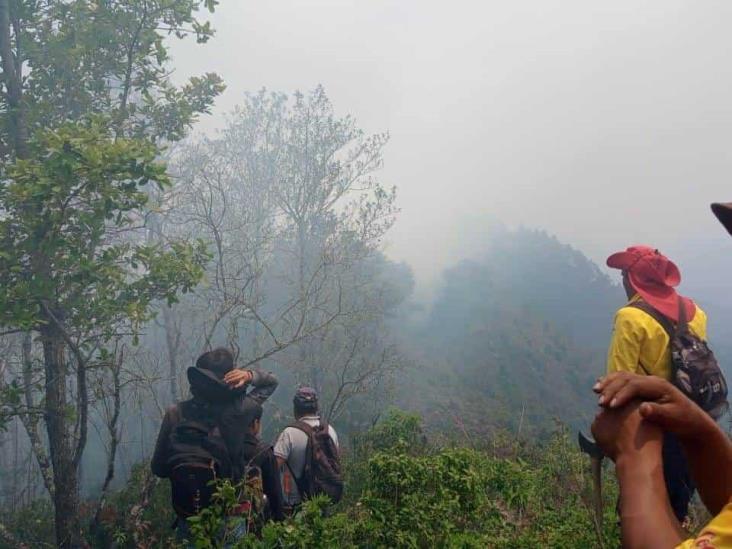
[[264, 384], [709, 453], [647, 520]]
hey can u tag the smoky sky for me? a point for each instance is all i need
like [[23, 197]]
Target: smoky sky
[[605, 123]]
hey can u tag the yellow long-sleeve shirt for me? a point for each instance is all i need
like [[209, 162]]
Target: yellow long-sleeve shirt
[[715, 535], [640, 345]]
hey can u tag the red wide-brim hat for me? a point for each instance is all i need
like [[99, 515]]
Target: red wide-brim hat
[[654, 277]]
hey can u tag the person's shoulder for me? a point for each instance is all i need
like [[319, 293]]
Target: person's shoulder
[[628, 313], [288, 431], [699, 313]]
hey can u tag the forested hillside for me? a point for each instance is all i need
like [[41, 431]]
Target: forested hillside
[[514, 338]]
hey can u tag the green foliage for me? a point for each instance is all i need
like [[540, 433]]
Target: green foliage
[[154, 523], [33, 525], [89, 57], [62, 209], [450, 497], [10, 400], [213, 528], [398, 431], [412, 496]]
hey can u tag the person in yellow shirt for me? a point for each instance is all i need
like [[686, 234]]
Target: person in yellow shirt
[[636, 412], [641, 339], [640, 343]]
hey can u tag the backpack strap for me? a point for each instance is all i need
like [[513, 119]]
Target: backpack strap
[[304, 427], [683, 325], [302, 482], [663, 320]]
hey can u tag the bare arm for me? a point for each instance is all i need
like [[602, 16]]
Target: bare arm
[[709, 453], [647, 520], [646, 517], [707, 448]]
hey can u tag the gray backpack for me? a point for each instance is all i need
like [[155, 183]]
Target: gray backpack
[[695, 369]]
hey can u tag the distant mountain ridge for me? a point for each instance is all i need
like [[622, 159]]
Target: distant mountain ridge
[[515, 337]]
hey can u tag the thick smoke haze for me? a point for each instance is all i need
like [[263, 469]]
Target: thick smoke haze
[[403, 204], [605, 123]]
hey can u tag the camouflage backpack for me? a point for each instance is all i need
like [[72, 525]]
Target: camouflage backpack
[[695, 370]]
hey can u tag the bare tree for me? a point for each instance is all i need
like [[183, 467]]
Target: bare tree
[[287, 199]]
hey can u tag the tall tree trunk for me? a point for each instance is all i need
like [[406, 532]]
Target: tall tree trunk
[[12, 67], [30, 420], [172, 341], [65, 473], [114, 438]]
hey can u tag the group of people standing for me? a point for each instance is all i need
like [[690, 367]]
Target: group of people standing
[[659, 406], [659, 401], [215, 436]]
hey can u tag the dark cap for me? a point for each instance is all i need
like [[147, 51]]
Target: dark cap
[[305, 397]]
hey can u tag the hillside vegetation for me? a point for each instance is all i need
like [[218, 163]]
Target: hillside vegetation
[[403, 491]]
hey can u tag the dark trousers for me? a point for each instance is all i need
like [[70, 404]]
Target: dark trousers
[[678, 480]]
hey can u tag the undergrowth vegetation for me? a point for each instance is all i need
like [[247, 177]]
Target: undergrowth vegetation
[[402, 492]]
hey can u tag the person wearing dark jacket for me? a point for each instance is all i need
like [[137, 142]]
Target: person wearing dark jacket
[[218, 391], [220, 362]]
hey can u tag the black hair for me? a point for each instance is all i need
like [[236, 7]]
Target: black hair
[[305, 408]]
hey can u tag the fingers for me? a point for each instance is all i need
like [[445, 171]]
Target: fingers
[[610, 388], [633, 388], [660, 414], [620, 388], [238, 378], [602, 381]]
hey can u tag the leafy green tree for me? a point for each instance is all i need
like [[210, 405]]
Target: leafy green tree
[[62, 60], [74, 195], [65, 277]]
